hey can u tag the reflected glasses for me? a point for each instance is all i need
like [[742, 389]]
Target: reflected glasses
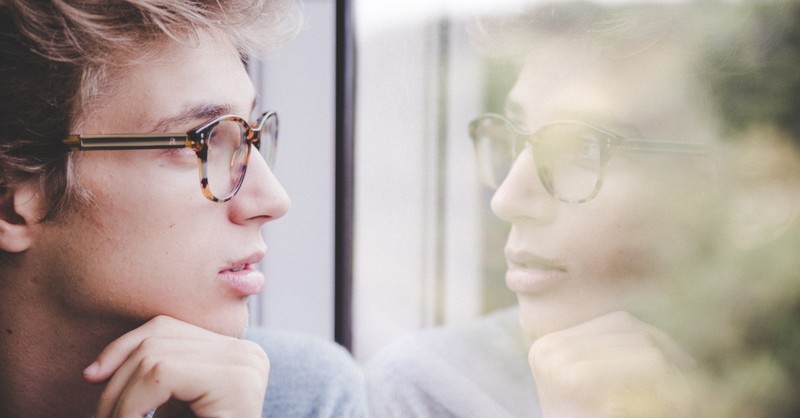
[[570, 156], [222, 146]]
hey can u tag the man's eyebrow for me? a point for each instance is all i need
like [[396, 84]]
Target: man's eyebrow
[[604, 120], [514, 113], [191, 114]]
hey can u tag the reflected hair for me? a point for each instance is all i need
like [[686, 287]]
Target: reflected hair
[[743, 55], [59, 57]]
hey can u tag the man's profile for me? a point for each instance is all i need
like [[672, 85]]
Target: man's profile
[[134, 182]]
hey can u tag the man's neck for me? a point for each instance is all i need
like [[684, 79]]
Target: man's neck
[[42, 356]]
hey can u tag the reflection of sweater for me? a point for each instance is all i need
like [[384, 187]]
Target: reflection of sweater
[[309, 377], [478, 370]]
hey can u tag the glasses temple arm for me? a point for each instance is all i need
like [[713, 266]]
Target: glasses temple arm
[[672, 147], [126, 141]]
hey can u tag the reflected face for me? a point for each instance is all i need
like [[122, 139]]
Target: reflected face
[[571, 262], [151, 243]]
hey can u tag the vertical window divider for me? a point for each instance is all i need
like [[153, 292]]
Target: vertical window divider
[[345, 157]]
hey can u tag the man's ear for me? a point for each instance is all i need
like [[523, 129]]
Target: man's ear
[[765, 196], [762, 213], [19, 209]]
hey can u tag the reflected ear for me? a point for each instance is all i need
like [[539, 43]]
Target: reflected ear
[[18, 214], [765, 195], [762, 213]]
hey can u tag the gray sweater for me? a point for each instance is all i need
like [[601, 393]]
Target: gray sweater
[[479, 370], [309, 377]]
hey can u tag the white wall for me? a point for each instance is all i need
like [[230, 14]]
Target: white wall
[[298, 82]]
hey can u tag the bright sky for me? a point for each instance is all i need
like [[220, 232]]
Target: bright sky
[[380, 15]]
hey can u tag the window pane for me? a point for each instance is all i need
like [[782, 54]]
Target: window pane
[[628, 245]]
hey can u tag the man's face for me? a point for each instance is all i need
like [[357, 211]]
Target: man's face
[[151, 243], [568, 262]]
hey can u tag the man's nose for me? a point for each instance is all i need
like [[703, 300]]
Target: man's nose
[[261, 197], [522, 194]]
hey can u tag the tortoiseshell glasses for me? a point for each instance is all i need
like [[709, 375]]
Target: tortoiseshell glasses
[[570, 156], [222, 146]]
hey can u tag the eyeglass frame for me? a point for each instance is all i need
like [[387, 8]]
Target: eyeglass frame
[[611, 143], [194, 139]]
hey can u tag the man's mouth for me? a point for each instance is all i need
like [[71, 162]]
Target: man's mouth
[[237, 268], [525, 260]]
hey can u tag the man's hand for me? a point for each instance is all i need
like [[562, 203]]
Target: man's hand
[[215, 375], [611, 366]]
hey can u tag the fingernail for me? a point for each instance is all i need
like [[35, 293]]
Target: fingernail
[[92, 369]]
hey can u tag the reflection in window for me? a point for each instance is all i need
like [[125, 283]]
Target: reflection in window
[[672, 286]]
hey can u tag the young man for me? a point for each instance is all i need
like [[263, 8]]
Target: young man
[[124, 274]]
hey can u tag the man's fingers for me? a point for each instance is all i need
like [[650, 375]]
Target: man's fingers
[[185, 369], [153, 385], [150, 352], [201, 385], [621, 322], [116, 353], [608, 364]]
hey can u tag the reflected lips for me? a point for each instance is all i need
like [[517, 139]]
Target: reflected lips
[[530, 274]]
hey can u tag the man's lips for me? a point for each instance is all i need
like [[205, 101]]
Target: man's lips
[[238, 268], [240, 276], [529, 273], [527, 259], [244, 262]]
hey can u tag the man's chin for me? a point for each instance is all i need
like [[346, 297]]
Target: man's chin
[[233, 324], [235, 328], [538, 319]]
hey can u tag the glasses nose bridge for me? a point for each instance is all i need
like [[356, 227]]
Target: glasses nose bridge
[[522, 194], [520, 142], [252, 134], [523, 173], [525, 147]]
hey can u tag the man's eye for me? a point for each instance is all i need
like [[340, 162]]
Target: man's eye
[[182, 153], [587, 148]]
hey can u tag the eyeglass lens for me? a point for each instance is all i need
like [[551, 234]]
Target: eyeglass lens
[[268, 125], [568, 157], [227, 154], [226, 161]]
